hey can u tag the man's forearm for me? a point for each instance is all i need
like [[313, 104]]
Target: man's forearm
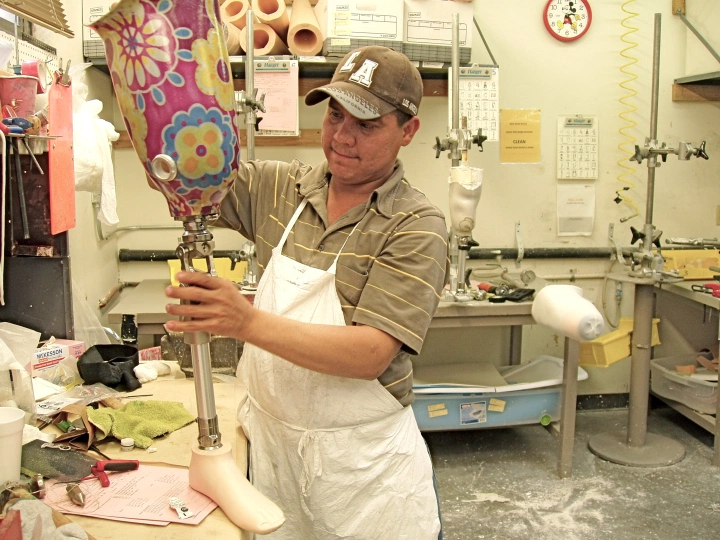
[[359, 352], [215, 306]]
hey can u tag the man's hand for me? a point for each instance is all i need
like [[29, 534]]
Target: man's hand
[[217, 306]]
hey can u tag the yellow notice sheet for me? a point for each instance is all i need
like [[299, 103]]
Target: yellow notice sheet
[[519, 135]]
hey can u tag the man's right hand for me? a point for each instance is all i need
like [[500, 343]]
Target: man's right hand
[[215, 305]]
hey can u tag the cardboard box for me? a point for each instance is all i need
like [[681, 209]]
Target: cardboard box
[[428, 29], [75, 348], [46, 358], [367, 21], [92, 11]]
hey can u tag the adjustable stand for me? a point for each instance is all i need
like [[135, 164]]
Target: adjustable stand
[[637, 447]]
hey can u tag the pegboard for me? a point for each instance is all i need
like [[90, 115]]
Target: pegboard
[[27, 51]]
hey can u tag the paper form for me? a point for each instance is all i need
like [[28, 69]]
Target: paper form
[[575, 209], [479, 99], [140, 496], [278, 79]]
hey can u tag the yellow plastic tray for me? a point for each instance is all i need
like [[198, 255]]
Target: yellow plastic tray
[[222, 267], [614, 346]]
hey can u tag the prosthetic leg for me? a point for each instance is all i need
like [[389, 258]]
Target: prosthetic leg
[[465, 189], [177, 99], [212, 468]]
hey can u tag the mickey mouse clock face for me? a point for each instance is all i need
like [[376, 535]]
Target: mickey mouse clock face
[[567, 20]]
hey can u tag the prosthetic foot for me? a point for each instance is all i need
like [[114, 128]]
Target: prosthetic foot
[[215, 474]]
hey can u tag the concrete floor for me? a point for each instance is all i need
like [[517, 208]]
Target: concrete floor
[[502, 484]]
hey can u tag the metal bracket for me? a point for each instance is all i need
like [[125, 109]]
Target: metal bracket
[[618, 250]]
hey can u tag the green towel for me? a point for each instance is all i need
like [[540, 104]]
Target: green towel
[[141, 420]]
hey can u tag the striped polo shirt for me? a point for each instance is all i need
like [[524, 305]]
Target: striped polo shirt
[[391, 271]]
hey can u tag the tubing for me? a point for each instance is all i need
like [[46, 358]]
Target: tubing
[[233, 12], [233, 38], [266, 40], [274, 14], [304, 37]]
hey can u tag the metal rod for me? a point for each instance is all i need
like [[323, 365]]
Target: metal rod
[[20, 190], [250, 84], [699, 36], [455, 78], [652, 159], [487, 47], [640, 366], [16, 67], [568, 406]]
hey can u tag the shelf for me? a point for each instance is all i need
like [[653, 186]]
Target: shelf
[[316, 71], [703, 87], [307, 137]]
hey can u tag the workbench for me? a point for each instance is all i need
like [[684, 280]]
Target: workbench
[[690, 323], [174, 449], [147, 302]]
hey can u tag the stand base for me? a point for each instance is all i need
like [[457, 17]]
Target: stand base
[[658, 451], [215, 474]]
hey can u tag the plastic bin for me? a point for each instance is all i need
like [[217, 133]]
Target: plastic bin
[[696, 393], [532, 396], [614, 346]]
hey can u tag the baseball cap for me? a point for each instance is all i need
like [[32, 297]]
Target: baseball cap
[[372, 81]]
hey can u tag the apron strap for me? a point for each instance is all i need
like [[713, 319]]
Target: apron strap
[[291, 224], [333, 266]]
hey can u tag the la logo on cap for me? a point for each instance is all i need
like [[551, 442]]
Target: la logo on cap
[[363, 75]]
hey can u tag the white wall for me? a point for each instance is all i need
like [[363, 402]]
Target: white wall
[[536, 71]]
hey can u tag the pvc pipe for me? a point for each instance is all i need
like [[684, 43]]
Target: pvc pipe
[[274, 14], [304, 37], [233, 12], [267, 42]]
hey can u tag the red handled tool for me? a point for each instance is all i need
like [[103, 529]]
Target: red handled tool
[[500, 290], [101, 468], [708, 288]]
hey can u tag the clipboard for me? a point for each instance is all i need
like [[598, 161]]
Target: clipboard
[[278, 79]]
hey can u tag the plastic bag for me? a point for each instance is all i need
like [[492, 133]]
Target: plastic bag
[[86, 324], [15, 384], [21, 341], [65, 373], [92, 139]]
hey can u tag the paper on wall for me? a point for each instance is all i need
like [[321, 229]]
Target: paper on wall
[[575, 209]]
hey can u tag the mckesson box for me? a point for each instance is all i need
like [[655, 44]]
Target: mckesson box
[[428, 29], [698, 391], [92, 11], [347, 25], [530, 395], [47, 357]]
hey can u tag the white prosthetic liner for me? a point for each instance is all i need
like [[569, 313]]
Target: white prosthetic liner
[[465, 190]]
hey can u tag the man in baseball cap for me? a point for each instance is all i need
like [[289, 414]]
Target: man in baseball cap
[[373, 81], [352, 261]]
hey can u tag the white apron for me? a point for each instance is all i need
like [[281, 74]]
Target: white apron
[[341, 457]]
